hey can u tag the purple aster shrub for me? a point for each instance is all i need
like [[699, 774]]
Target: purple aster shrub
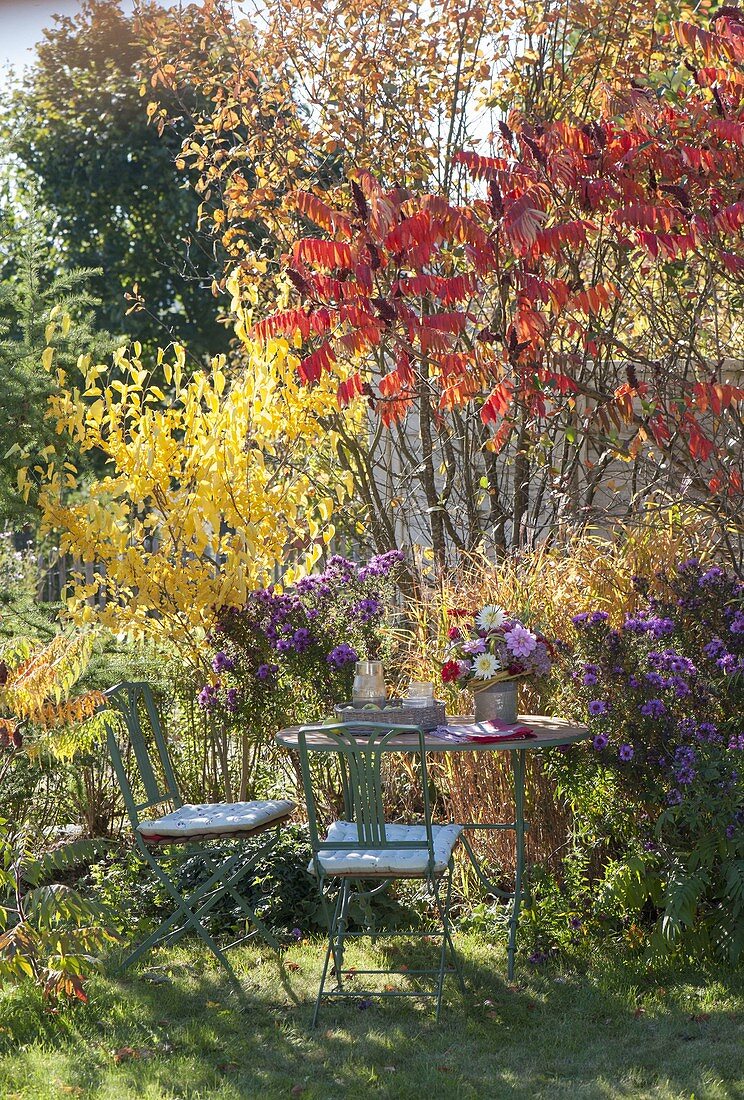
[[288, 656], [661, 689]]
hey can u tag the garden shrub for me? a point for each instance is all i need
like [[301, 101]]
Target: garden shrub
[[288, 657], [662, 690]]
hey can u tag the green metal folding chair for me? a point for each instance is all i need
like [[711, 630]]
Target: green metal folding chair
[[366, 853], [197, 829]]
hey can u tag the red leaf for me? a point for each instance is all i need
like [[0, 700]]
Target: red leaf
[[349, 389], [731, 218], [498, 403], [522, 221], [644, 216], [732, 262], [324, 254], [549, 242], [285, 323], [317, 211], [311, 368], [483, 168]]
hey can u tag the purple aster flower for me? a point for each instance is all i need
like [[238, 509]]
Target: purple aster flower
[[231, 699], [380, 565], [580, 619], [711, 576], [681, 687], [634, 624], [342, 655], [597, 707], [474, 646], [737, 623], [367, 609], [688, 564], [736, 742], [598, 617], [730, 832], [600, 742], [727, 662], [591, 675], [674, 797], [301, 639], [654, 708], [283, 645], [626, 753], [222, 663], [207, 697], [714, 648], [537, 958], [659, 627], [297, 933], [634, 682], [707, 731]]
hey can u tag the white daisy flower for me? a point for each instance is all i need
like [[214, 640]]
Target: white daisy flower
[[490, 618], [485, 665]]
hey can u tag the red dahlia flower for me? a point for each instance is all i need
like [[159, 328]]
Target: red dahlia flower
[[450, 671]]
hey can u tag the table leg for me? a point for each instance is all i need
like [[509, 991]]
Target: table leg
[[518, 769]]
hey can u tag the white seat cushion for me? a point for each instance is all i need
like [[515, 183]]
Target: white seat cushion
[[216, 819], [400, 861]]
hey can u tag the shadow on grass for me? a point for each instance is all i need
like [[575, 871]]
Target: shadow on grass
[[613, 1031]]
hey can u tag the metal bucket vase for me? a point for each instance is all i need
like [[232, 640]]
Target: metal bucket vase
[[499, 701]]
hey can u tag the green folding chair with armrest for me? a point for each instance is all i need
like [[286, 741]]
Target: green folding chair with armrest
[[198, 829], [367, 849]]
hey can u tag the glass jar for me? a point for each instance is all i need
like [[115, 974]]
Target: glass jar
[[369, 684], [420, 694]]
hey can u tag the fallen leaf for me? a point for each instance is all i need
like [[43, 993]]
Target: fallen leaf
[[294, 967], [125, 1054], [640, 1011], [132, 1054]]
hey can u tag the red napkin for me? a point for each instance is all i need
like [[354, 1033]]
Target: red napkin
[[495, 730]]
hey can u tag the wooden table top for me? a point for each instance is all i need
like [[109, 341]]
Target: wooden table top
[[550, 732]]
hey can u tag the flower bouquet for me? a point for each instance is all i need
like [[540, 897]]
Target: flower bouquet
[[490, 650]]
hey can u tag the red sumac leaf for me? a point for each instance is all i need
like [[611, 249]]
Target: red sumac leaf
[[324, 254], [312, 366], [320, 213], [498, 403]]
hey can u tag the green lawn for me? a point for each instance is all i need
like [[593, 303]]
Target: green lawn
[[175, 1030]]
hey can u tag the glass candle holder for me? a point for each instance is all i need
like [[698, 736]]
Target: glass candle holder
[[369, 684], [420, 694]]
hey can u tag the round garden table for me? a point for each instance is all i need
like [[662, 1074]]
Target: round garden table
[[548, 733]]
